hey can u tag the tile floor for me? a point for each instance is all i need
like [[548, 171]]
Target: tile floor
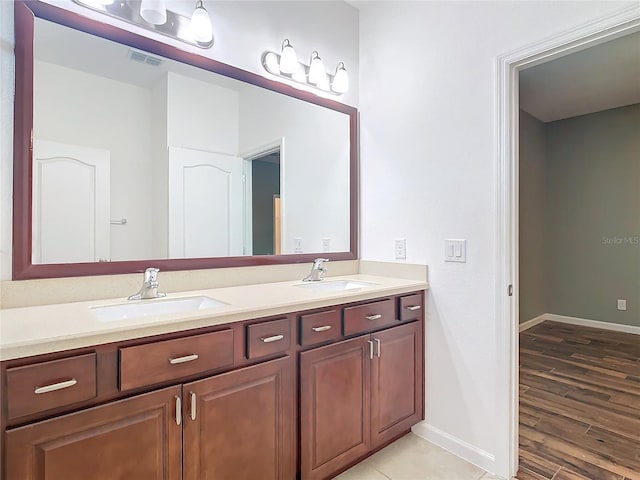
[[412, 458]]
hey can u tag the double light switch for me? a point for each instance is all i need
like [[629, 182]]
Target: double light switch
[[455, 250]]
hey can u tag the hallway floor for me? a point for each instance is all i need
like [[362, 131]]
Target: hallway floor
[[579, 404], [412, 458]]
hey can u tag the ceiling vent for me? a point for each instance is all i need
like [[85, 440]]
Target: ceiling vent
[[141, 57]]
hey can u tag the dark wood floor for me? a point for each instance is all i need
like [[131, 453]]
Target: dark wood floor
[[579, 404]]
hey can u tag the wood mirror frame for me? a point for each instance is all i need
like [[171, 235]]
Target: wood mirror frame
[[23, 268]]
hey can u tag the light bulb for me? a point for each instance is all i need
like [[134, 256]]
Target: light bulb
[[201, 24], [340, 82], [317, 73], [154, 11], [288, 59]]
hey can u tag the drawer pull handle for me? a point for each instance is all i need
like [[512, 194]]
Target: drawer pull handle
[[55, 386], [186, 358], [377, 316], [178, 410], [272, 338], [370, 349], [413, 308], [377, 340], [323, 328], [193, 406]]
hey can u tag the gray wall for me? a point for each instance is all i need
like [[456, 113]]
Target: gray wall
[[533, 207], [266, 184], [592, 235]]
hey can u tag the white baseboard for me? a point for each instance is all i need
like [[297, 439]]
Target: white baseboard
[[533, 322], [616, 327], [458, 447], [552, 317]]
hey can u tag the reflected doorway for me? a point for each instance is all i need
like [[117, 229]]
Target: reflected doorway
[[263, 184]]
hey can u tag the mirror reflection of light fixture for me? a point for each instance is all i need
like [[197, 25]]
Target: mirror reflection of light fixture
[[286, 66], [154, 16]]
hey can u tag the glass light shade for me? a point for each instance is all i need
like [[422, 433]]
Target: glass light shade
[[288, 59], [317, 73], [154, 11], [201, 24], [340, 82], [271, 63]]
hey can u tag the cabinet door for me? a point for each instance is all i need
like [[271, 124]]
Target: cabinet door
[[133, 438], [396, 382], [239, 425], [334, 406]]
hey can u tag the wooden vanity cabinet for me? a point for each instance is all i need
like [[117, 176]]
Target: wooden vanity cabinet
[[301, 396], [356, 395], [239, 425], [133, 438]]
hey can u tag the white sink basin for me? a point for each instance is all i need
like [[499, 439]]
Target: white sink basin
[[149, 308], [335, 285]]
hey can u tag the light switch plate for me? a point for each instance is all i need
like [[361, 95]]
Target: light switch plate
[[297, 245], [455, 250], [622, 304], [326, 245]]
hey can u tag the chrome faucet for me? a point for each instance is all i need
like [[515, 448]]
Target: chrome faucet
[[317, 270], [149, 287]]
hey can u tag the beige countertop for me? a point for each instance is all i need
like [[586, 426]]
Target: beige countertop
[[29, 331]]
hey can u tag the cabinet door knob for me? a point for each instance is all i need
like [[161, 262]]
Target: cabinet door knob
[[55, 386], [376, 316], [413, 308], [193, 405], [370, 349], [272, 338], [323, 328], [178, 410], [186, 358], [378, 348]]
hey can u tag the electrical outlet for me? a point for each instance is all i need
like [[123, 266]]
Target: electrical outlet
[[326, 245], [622, 304], [297, 245], [400, 248]]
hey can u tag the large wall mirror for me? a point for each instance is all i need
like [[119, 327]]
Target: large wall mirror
[[130, 153]]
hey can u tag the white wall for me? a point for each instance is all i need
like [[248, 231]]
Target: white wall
[[242, 30], [428, 172], [315, 190], [78, 108], [7, 89]]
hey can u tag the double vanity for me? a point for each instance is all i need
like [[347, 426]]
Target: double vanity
[[268, 381]]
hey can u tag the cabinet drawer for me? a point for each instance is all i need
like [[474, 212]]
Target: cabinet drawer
[[410, 307], [370, 316], [268, 338], [320, 327], [47, 385], [172, 359]]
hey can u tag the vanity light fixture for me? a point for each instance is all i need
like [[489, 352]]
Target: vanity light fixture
[[314, 76], [153, 15]]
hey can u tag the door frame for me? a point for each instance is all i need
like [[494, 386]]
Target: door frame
[[602, 29]]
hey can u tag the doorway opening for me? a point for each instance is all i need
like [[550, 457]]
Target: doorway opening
[[607, 28], [265, 198]]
